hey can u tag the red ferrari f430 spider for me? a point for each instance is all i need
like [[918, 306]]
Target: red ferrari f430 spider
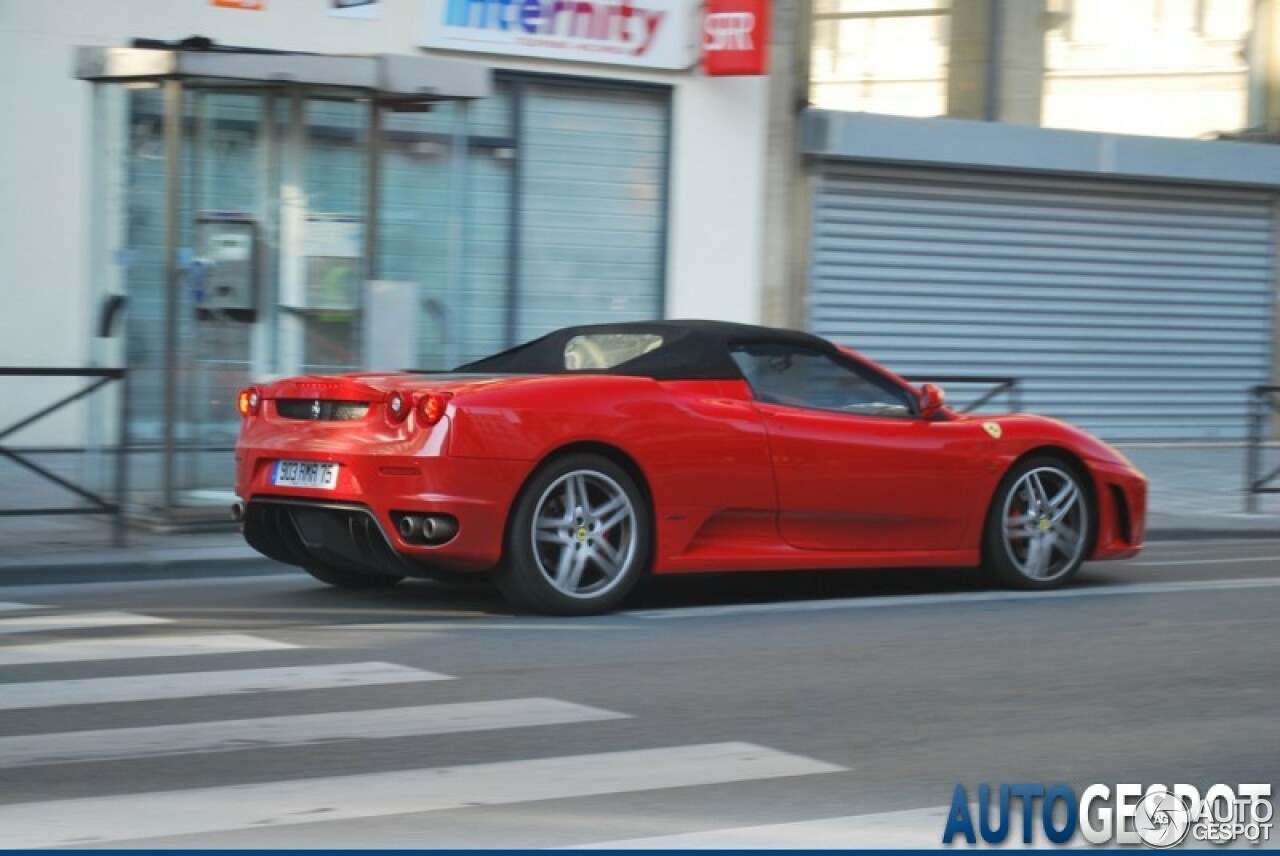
[[571, 466]]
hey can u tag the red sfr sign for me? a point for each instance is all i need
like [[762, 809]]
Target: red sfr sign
[[735, 37]]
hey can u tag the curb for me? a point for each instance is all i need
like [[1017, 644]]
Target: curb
[[142, 564], [124, 565], [1192, 534]]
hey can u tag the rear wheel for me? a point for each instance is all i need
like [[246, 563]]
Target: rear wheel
[[346, 578], [578, 540], [1039, 525]]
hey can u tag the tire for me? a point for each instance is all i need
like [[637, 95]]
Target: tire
[[348, 579], [578, 539], [1039, 528]]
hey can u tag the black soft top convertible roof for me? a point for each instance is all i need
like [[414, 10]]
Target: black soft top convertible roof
[[690, 350]]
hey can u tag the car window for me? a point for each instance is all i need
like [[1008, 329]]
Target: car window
[[800, 377], [600, 351]]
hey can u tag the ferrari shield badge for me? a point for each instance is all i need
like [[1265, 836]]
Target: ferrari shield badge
[[993, 429]]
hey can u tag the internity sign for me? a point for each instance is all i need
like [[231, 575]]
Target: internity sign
[[643, 33]]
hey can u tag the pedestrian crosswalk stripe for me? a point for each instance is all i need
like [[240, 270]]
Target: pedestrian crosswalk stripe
[[80, 822], [76, 621], [13, 607], [912, 828], [202, 684], [135, 647], [295, 730]]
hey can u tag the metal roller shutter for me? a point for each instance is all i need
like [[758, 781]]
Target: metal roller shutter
[[1138, 311], [593, 196]]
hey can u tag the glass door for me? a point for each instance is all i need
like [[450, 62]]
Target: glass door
[[273, 260], [324, 202], [226, 279]]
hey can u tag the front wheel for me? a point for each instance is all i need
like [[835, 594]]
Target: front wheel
[[1039, 525], [578, 540]]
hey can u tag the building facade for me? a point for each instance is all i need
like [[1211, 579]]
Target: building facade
[[602, 177], [1080, 194], [1076, 193]]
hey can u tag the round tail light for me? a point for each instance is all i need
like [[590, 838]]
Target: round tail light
[[249, 402], [397, 407], [431, 407]]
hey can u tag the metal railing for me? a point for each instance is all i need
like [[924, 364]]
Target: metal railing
[[96, 504], [1007, 386], [1262, 398]]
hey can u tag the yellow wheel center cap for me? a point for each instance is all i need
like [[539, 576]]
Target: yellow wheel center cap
[[1044, 524], [581, 534]]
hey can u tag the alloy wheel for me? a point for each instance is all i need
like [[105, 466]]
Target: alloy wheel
[[584, 534], [1044, 523]]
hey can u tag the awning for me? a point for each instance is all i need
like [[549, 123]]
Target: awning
[[390, 77]]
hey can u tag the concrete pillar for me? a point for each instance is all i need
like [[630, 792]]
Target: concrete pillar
[[996, 68], [1275, 326], [1264, 68], [785, 250], [1264, 117]]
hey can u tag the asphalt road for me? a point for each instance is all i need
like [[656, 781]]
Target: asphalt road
[[792, 710]]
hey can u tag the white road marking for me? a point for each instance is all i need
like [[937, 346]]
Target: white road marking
[[913, 829], [955, 598], [1185, 543], [76, 621], [202, 684], [1155, 563], [151, 815], [51, 590], [82, 650], [462, 623], [297, 730], [14, 607]]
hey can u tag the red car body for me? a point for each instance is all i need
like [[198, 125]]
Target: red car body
[[733, 482]]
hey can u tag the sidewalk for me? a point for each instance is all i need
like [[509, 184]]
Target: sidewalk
[[1195, 492]]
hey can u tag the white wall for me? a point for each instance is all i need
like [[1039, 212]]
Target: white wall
[[717, 199], [717, 177]]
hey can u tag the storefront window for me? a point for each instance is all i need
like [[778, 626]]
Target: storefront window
[[1174, 68], [537, 208], [446, 210], [880, 56], [331, 238], [141, 264], [239, 224]]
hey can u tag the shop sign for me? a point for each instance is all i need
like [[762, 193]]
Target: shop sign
[[643, 33], [735, 37]]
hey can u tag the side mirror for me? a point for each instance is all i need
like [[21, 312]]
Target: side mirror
[[931, 400]]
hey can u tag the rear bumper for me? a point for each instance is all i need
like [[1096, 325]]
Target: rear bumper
[[353, 524], [304, 532]]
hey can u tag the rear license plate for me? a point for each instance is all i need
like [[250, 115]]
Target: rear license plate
[[305, 474]]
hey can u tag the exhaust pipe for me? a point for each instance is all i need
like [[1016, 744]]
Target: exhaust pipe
[[425, 528], [410, 527], [237, 511], [439, 529]]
